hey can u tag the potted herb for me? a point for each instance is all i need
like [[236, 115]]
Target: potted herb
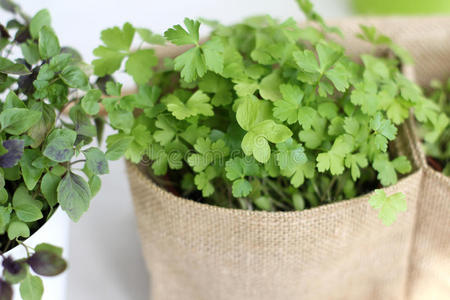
[[47, 160], [268, 127]]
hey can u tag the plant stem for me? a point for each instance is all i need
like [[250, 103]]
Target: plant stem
[[64, 107], [7, 245], [77, 161], [25, 246], [316, 189], [328, 190], [275, 188]]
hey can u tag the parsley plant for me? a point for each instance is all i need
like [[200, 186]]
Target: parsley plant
[[263, 115]]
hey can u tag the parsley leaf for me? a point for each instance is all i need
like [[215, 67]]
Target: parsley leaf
[[333, 160], [388, 206], [208, 152], [195, 62], [197, 104], [179, 36], [251, 116], [287, 109], [140, 64], [387, 169], [236, 170], [203, 181], [118, 39]]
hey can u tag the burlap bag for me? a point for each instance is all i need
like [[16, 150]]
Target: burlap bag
[[338, 251], [428, 39], [429, 274], [429, 270]]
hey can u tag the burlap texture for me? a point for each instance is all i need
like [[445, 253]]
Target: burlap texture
[[429, 275], [429, 267], [338, 251]]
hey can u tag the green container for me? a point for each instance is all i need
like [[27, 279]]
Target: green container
[[399, 7]]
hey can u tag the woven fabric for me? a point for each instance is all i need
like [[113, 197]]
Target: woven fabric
[[338, 251], [430, 255]]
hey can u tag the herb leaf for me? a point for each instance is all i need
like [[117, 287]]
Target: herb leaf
[[388, 206], [73, 195], [48, 43], [31, 288], [16, 121]]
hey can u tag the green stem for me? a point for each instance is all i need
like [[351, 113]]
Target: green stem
[[77, 161], [7, 245], [64, 107], [276, 189], [316, 189], [328, 189], [25, 246]]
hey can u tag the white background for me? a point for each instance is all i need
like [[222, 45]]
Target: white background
[[105, 258]]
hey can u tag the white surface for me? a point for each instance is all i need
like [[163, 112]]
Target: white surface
[[105, 260], [78, 23], [55, 232], [105, 256]]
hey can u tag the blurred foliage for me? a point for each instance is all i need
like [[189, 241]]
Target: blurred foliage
[[402, 7]]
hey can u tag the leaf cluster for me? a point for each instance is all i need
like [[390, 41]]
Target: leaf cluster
[[268, 115], [48, 123], [43, 260]]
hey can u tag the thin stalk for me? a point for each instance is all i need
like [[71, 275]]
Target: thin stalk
[[316, 189], [25, 246], [77, 161], [327, 193], [275, 188]]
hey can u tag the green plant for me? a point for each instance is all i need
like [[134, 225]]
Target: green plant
[[263, 115], [39, 81], [437, 144]]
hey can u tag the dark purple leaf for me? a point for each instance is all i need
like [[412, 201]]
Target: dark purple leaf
[[13, 24], [25, 82], [22, 35], [15, 152], [4, 32], [47, 263], [6, 291], [100, 127], [12, 266], [101, 82]]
